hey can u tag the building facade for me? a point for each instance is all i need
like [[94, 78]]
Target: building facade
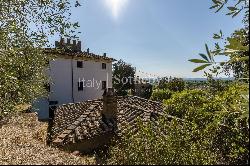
[[75, 76]]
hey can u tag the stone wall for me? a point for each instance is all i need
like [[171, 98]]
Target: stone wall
[[71, 47], [91, 145]]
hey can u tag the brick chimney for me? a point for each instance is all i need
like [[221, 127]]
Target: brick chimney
[[109, 112], [68, 42], [79, 46], [74, 45], [62, 42], [59, 44]]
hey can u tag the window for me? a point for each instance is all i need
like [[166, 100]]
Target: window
[[104, 85], [79, 64], [104, 65], [80, 86]]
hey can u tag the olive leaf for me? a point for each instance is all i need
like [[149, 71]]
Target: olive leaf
[[198, 61], [201, 67]]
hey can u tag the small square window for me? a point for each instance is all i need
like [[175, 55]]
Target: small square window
[[104, 85], [80, 86], [104, 66], [79, 64]]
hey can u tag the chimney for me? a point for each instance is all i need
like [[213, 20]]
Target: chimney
[[105, 54], [68, 42], [74, 45], [79, 46], [109, 112], [57, 45], [62, 42]]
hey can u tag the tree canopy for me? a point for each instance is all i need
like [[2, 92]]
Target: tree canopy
[[236, 46], [123, 77], [25, 26]]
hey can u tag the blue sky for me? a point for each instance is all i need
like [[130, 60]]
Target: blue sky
[[155, 36]]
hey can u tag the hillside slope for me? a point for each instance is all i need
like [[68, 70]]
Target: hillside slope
[[22, 142]]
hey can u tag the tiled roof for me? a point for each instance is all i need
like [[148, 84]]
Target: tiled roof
[[76, 122], [76, 55]]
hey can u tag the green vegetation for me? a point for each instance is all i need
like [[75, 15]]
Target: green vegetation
[[24, 30], [167, 87], [175, 84], [204, 129], [161, 94], [123, 77], [205, 125], [236, 46]]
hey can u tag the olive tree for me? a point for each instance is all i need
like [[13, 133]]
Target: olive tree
[[236, 46], [123, 77], [25, 26]]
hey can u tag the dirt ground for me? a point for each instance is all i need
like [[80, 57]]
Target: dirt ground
[[22, 141]]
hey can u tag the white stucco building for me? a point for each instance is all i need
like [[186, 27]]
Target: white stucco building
[[75, 76]]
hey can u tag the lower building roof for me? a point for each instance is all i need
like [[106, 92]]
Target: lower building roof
[[77, 122]]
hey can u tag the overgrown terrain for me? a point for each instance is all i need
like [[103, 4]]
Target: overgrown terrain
[[209, 124], [208, 128], [22, 141]]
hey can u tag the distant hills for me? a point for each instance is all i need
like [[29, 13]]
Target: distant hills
[[154, 80], [205, 79]]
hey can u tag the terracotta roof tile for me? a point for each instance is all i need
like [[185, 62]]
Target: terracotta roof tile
[[85, 120], [90, 56]]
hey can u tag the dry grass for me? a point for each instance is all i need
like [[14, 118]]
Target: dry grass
[[22, 107], [22, 141]]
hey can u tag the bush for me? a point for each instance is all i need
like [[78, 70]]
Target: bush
[[176, 85], [171, 144], [160, 95], [183, 104], [205, 129]]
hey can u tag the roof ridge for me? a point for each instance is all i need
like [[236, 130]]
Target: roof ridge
[[157, 102], [76, 54], [87, 101], [138, 107]]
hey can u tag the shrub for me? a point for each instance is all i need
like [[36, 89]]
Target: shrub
[[176, 85], [160, 95], [171, 144], [205, 129], [186, 102]]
